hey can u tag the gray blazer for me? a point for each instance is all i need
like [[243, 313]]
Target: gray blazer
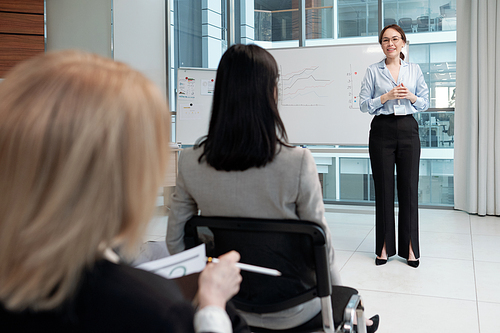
[[286, 188]]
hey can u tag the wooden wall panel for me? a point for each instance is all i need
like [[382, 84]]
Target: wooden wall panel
[[16, 48], [22, 6], [21, 31], [14, 23]]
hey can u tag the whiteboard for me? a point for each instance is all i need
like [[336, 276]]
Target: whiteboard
[[319, 92], [318, 95], [194, 102]]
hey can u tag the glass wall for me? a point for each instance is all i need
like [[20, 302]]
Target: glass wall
[[199, 39], [357, 18], [354, 183], [438, 63], [319, 19], [201, 36], [278, 20], [421, 16], [436, 129], [199, 33]]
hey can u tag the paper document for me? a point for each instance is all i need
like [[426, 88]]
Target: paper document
[[180, 264]]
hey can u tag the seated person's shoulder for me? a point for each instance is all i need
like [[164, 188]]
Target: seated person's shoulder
[[294, 154], [190, 155]]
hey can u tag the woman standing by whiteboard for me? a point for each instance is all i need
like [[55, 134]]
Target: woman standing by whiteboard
[[393, 90]]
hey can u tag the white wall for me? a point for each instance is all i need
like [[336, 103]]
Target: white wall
[[140, 37], [135, 28], [84, 25]]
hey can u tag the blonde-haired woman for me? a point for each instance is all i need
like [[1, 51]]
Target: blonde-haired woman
[[83, 150]]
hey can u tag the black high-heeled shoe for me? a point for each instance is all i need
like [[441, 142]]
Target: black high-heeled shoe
[[379, 262], [373, 327], [413, 263]]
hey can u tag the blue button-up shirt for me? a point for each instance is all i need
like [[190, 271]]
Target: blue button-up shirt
[[378, 81]]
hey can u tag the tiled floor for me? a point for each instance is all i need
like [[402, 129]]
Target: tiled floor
[[455, 289]]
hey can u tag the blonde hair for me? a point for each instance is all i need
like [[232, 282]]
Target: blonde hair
[[83, 151]]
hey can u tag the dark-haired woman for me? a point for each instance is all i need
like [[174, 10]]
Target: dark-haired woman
[[393, 90], [244, 166]]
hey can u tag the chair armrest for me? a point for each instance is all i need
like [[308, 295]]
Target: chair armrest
[[327, 314], [354, 308]]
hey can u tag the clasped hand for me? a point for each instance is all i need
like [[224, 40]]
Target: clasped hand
[[399, 92]]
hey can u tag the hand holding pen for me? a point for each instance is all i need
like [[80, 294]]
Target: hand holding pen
[[218, 283], [251, 268]]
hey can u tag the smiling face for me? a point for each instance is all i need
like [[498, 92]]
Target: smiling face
[[392, 43]]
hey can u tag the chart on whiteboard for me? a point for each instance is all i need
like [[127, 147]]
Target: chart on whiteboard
[[318, 92], [308, 86], [354, 78]]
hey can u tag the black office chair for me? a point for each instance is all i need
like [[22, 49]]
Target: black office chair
[[423, 23], [449, 132], [298, 250], [439, 23], [389, 21], [406, 24]]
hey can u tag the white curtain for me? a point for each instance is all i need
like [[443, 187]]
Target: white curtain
[[477, 107]]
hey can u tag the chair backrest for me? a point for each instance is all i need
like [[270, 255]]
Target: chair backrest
[[423, 23], [389, 21], [406, 24], [296, 248]]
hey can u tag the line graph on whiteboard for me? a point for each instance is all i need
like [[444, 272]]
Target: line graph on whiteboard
[[304, 87], [353, 87]]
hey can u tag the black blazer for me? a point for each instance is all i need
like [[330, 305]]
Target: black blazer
[[111, 298]]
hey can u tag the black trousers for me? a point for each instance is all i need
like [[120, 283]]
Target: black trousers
[[394, 140]]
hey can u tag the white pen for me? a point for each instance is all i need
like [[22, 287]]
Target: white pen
[[251, 268]]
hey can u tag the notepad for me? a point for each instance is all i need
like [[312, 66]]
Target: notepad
[[178, 265]]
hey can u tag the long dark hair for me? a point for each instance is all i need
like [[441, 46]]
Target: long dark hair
[[398, 29], [245, 126]]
